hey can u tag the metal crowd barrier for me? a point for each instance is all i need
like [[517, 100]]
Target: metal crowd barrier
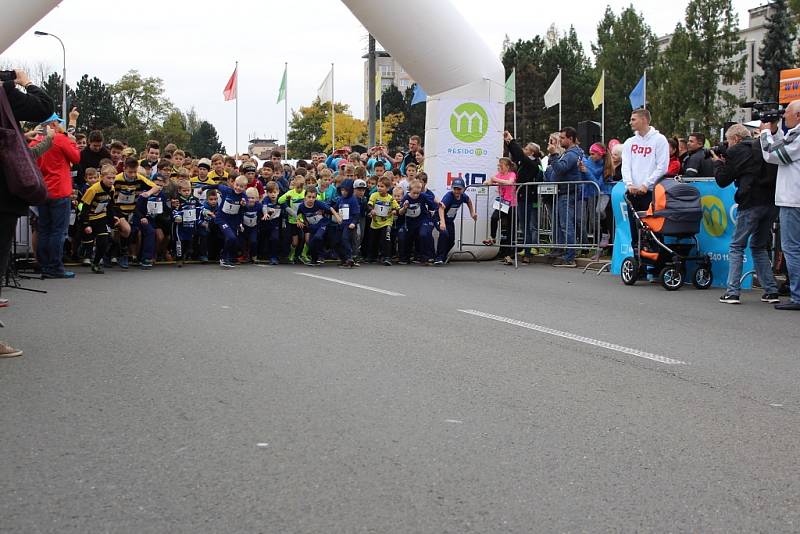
[[552, 215]]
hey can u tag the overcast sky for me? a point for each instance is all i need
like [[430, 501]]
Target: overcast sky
[[192, 46]]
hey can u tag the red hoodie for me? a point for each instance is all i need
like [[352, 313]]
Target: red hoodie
[[56, 165]]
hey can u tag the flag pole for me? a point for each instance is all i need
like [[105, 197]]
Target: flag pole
[[514, 72], [380, 116], [236, 148], [560, 83], [286, 111], [603, 111], [644, 91], [333, 116]]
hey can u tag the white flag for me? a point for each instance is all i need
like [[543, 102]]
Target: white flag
[[326, 89], [553, 95]]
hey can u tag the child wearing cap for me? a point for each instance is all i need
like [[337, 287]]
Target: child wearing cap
[[359, 239], [382, 209], [349, 209], [448, 209], [417, 228], [203, 169], [229, 217], [249, 171], [148, 208]]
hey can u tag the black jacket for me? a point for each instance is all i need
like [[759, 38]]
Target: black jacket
[[697, 163], [754, 178], [33, 106], [528, 170]]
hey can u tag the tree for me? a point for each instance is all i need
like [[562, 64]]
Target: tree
[[715, 54], [204, 142], [672, 81], [774, 54], [53, 87], [96, 106], [626, 48], [173, 130], [349, 131], [388, 125], [140, 99], [305, 127]]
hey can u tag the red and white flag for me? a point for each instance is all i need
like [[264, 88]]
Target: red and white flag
[[230, 88]]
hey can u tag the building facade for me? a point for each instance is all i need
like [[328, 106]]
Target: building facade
[[391, 72]]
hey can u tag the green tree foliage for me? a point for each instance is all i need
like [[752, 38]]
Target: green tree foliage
[[670, 82], [775, 54], [626, 48], [93, 99], [140, 100], [54, 87], [537, 62], [204, 141], [173, 130], [408, 120], [305, 127]]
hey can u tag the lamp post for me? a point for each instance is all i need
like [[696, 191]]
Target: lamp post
[[63, 75]]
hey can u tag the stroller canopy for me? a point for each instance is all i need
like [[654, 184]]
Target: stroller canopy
[[676, 208]]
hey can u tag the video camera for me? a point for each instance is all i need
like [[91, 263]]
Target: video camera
[[7, 75], [765, 111]]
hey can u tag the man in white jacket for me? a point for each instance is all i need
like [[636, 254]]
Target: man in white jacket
[[645, 158], [784, 150]]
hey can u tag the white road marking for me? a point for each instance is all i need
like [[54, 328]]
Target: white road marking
[[576, 337], [456, 421], [262, 445], [351, 284]]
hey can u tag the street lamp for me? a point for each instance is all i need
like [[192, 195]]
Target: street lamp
[[63, 76]]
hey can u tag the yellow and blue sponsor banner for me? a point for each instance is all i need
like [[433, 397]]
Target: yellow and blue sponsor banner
[[716, 232]]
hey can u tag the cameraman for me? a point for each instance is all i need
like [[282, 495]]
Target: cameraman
[[784, 150], [35, 106], [744, 166]]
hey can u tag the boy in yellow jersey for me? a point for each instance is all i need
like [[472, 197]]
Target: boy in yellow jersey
[[218, 174], [291, 200], [98, 215], [382, 208], [128, 185], [202, 178]]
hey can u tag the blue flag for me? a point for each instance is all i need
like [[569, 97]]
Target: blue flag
[[637, 96], [419, 95]]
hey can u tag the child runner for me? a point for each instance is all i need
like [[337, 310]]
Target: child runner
[[448, 209], [382, 208]]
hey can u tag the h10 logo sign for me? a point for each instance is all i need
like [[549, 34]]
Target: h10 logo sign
[[475, 178]]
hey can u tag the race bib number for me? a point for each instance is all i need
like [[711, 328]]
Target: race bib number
[[155, 207], [414, 211], [501, 205], [292, 210], [344, 212], [313, 219], [126, 198], [249, 220], [72, 217], [272, 213], [189, 215], [452, 212], [200, 193], [230, 208], [382, 210], [101, 207]]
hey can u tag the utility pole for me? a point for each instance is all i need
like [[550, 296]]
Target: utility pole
[[371, 91]]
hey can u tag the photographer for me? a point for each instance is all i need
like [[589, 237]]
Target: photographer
[[32, 105], [784, 150], [754, 179]]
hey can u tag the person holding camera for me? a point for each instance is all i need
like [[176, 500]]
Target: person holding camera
[[35, 106], [743, 165], [784, 151]]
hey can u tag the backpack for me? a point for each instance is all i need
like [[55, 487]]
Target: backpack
[[23, 176]]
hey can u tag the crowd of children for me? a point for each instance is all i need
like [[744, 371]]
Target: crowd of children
[[132, 211]]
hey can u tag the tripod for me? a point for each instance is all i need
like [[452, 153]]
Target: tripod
[[13, 274]]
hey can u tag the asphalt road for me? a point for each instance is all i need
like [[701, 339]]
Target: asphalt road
[[263, 400]]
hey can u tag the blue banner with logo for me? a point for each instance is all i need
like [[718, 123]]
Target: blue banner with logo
[[716, 232]]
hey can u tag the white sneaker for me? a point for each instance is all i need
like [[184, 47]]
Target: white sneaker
[[7, 351]]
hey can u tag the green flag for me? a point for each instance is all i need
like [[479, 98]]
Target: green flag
[[511, 86], [282, 90]]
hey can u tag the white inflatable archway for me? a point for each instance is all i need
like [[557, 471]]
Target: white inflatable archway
[[464, 80]]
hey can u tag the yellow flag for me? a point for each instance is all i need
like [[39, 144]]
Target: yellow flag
[[378, 88], [599, 93]]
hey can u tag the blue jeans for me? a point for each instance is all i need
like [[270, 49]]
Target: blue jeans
[[531, 223], [566, 224], [790, 243], [753, 224], [53, 225]]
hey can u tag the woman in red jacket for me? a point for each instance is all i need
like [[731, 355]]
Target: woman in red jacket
[[56, 165], [674, 168]]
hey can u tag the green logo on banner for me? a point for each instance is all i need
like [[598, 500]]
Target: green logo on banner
[[469, 122]]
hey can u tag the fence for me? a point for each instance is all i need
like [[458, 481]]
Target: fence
[[559, 216]]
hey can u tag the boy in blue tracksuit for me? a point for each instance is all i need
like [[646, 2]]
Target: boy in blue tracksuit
[[207, 231], [448, 209], [229, 217], [360, 193], [149, 206], [272, 217], [251, 215], [349, 209], [185, 217], [312, 218], [417, 227]]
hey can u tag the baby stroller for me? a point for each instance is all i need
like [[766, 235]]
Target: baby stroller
[[675, 212]]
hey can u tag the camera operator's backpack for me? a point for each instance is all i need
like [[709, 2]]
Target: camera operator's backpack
[[23, 176]]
